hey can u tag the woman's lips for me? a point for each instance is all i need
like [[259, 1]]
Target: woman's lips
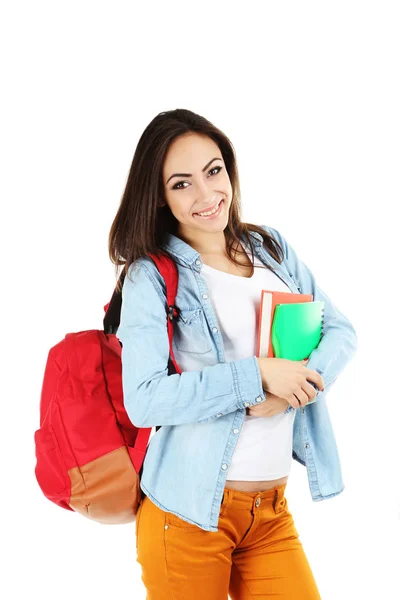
[[216, 212]]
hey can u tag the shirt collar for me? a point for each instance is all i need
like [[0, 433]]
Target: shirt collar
[[184, 254]]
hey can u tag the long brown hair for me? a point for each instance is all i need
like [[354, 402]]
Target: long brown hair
[[140, 223]]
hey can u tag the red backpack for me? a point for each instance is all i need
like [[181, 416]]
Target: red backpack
[[89, 455]]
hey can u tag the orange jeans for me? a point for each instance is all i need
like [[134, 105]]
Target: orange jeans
[[256, 552]]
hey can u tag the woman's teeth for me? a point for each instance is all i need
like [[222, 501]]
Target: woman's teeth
[[210, 212]]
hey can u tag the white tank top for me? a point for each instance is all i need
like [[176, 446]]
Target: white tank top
[[264, 445]]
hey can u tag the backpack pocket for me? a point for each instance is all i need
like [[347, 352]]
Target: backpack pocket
[[190, 332]]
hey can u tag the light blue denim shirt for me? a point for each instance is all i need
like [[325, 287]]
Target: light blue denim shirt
[[202, 411]]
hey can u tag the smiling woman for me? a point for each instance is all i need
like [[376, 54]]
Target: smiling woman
[[213, 473]]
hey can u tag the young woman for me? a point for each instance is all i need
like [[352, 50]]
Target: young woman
[[214, 518]]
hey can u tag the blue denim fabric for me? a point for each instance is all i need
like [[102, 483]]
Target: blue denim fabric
[[201, 411]]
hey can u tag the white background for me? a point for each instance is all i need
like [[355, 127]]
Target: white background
[[308, 92]]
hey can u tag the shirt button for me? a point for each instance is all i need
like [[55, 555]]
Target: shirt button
[[302, 410], [198, 262], [205, 296], [224, 466], [215, 329], [236, 431], [306, 445], [166, 527], [258, 502], [247, 404], [259, 399]]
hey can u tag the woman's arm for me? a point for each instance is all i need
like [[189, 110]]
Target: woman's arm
[[151, 396], [339, 339]]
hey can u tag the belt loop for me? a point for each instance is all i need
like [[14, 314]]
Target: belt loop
[[225, 500], [276, 498]]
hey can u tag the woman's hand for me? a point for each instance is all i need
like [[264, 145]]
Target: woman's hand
[[273, 405], [289, 379]]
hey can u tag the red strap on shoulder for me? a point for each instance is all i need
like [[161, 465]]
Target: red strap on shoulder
[[169, 272]]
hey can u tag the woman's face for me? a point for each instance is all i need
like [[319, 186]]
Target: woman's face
[[196, 181]]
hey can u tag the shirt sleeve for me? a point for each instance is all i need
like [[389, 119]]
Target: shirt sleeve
[[339, 338], [151, 395]]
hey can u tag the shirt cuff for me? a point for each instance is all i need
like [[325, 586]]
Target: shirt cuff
[[247, 382]]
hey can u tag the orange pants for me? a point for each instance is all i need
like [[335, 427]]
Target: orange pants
[[256, 552]]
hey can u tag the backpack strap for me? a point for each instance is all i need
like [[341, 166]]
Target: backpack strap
[[169, 272]]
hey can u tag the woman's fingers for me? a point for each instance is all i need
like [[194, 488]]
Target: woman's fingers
[[309, 390], [315, 377], [300, 398]]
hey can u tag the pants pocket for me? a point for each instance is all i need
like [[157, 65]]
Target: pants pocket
[[176, 522], [280, 504]]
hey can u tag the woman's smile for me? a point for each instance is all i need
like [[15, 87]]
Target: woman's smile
[[213, 215]]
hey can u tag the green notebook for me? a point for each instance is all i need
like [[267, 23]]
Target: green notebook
[[297, 329]]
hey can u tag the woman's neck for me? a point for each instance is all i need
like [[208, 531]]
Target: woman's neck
[[212, 244]]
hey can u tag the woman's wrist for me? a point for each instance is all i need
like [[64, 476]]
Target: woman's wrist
[[262, 362]]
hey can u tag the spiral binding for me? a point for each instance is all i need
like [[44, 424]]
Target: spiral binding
[[322, 321]]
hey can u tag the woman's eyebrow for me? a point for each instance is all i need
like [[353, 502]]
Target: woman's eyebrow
[[189, 174]]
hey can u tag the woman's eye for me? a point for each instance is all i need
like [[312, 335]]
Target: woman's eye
[[215, 168], [175, 187]]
